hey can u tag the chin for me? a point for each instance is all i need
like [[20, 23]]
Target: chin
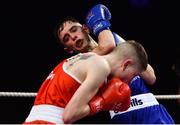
[[80, 51]]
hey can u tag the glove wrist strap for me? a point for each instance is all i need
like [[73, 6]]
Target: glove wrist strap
[[100, 26]]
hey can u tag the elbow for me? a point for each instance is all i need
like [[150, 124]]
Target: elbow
[[149, 75], [111, 46], [149, 78], [68, 116], [66, 119], [71, 116], [152, 80], [108, 48]]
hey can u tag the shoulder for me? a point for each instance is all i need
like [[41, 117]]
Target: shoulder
[[98, 62]]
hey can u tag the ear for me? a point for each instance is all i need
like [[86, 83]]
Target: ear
[[68, 50], [85, 28], [126, 64]]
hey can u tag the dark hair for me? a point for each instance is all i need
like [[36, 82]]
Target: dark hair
[[60, 24]]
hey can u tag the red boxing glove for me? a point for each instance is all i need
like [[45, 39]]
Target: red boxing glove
[[115, 96]]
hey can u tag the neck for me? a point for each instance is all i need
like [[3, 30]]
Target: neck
[[92, 44], [113, 61]]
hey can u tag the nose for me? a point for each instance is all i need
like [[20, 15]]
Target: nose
[[73, 37]]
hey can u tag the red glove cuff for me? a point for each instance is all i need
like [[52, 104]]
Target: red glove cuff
[[96, 105]]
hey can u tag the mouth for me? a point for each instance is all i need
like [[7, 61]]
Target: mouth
[[79, 43]]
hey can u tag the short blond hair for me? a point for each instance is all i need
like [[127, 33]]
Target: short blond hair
[[133, 49]]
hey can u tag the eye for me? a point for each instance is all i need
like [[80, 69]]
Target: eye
[[66, 38], [74, 29]]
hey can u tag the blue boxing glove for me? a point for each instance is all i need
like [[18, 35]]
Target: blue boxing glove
[[98, 18], [117, 38]]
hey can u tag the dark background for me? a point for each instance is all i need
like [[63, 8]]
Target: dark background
[[29, 50]]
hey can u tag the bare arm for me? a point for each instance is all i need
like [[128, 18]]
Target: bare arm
[[106, 43], [149, 75], [78, 107]]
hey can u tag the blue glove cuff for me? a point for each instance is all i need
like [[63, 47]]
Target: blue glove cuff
[[100, 26], [117, 38]]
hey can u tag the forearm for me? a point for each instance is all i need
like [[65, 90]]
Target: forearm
[[106, 42]]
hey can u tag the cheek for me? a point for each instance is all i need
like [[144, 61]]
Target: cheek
[[128, 77], [131, 76], [69, 43]]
